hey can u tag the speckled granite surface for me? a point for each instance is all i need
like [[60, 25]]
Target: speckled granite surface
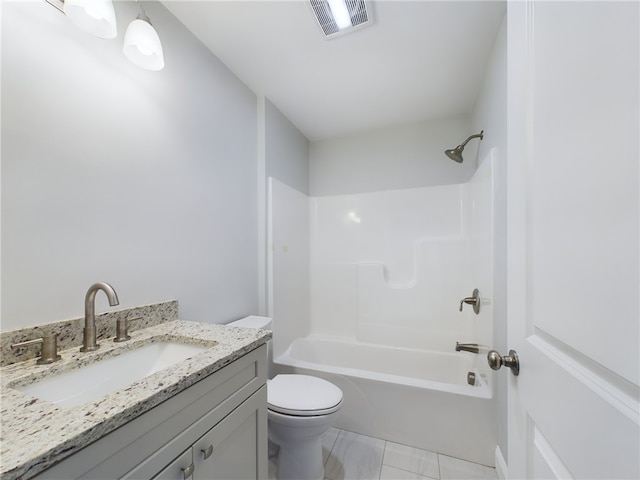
[[36, 434], [70, 331]]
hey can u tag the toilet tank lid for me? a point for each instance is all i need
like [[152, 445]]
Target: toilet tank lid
[[253, 321]]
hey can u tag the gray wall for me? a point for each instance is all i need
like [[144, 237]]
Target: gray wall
[[146, 180], [286, 150], [404, 156]]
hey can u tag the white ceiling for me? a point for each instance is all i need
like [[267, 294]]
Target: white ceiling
[[419, 60]]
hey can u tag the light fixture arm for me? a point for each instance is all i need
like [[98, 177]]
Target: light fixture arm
[[143, 14]]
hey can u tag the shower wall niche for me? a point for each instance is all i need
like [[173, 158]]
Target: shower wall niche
[[387, 267]]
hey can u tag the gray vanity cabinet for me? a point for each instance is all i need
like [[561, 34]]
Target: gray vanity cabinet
[[234, 442], [228, 451], [223, 415]]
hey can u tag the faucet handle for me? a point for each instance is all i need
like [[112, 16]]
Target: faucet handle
[[473, 300], [49, 350], [122, 329]]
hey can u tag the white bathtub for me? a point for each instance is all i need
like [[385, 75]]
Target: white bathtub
[[414, 397]]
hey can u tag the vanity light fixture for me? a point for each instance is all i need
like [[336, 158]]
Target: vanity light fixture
[[94, 16], [337, 17], [142, 44]]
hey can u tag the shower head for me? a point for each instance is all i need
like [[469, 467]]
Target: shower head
[[455, 154]]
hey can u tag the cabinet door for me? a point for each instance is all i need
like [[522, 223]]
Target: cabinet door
[[236, 448], [180, 469]]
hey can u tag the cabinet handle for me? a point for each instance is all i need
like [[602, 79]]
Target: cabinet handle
[[207, 453], [187, 471]]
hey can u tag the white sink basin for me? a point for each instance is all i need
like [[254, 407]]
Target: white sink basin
[[94, 381]]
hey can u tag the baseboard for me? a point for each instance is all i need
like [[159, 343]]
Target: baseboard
[[501, 466]]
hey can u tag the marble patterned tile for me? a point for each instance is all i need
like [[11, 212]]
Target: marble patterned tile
[[328, 441], [355, 457], [414, 460], [411, 459], [455, 469], [391, 473]]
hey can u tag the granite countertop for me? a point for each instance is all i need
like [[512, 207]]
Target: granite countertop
[[36, 434]]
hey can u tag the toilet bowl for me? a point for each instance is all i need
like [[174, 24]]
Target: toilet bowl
[[300, 409]]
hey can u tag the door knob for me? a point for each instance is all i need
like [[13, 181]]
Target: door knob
[[511, 361]]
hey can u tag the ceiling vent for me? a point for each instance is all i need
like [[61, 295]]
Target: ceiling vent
[[337, 17]]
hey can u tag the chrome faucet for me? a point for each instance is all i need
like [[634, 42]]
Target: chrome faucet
[[89, 333], [467, 347]]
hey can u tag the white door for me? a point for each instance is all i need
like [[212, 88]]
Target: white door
[[574, 214]]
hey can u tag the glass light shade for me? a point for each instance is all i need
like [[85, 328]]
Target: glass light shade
[[94, 16], [142, 45]]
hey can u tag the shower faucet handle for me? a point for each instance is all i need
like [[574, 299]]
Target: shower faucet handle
[[473, 300]]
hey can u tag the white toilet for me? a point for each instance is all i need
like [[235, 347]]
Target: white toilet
[[300, 409]]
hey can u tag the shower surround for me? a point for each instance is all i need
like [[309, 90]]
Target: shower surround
[[380, 276]]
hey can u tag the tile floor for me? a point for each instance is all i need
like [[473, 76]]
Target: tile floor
[[350, 456]]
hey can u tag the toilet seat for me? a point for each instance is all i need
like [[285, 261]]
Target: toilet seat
[[302, 395]]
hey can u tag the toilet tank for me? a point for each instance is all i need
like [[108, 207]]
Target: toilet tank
[[264, 323], [254, 321]]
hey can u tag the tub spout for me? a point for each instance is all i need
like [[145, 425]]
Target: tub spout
[[467, 347]]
